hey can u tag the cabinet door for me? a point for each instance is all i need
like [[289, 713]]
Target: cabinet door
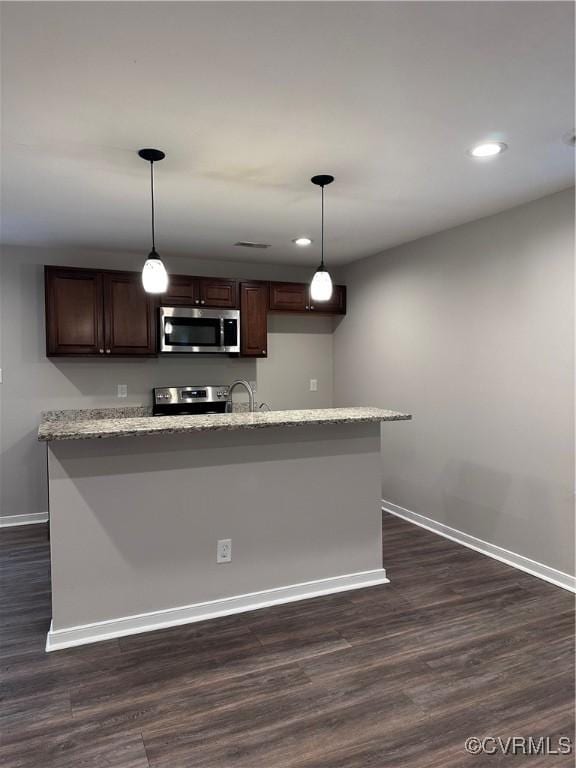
[[74, 312], [336, 305], [253, 319], [217, 292], [289, 297], [182, 289], [129, 314]]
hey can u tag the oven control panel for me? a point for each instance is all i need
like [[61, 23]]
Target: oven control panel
[[190, 400]]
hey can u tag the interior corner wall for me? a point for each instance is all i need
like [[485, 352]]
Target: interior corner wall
[[472, 331]]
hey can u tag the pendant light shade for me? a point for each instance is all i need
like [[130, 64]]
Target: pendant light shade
[[321, 285], [154, 275]]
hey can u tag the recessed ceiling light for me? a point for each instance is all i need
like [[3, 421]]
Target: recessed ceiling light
[[488, 149], [302, 241]]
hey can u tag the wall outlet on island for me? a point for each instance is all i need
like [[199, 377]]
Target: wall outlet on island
[[122, 390], [224, 551], [313, 385]]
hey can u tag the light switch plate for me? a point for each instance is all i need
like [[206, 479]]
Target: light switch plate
[[313, 385], [122, 390]]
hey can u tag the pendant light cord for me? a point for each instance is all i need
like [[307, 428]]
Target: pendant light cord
[[322, 239], [152, 196]]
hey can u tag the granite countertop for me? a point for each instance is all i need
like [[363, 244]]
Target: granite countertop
[[131, 422]]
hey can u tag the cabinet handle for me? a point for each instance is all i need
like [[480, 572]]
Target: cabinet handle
[[311, 306], [202, 302], [307, 307], [101, 351], [263, 351], [197, 302], [107, 351]]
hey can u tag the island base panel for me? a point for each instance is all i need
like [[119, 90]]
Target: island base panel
[[135, 521]]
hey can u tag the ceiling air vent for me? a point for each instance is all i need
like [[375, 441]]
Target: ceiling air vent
[[248, 244]]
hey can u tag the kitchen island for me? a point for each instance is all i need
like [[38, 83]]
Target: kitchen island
[[139, 503]]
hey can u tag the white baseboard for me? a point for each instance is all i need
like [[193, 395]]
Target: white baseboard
[[9, 521], [559, 578], [58, 639]]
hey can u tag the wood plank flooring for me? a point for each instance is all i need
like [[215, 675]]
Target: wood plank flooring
[[457, 645]]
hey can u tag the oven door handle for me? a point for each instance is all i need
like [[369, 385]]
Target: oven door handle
[[222, 332]]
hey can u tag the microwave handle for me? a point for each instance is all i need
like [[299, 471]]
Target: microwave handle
[[221, 331]]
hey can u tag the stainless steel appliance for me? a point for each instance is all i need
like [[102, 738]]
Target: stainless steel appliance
[[183, 401], [188, 329]]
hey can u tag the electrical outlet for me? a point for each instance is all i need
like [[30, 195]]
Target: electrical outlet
[[122, 390], [313, 385], [224, 551]]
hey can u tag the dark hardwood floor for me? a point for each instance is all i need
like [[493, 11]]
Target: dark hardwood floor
[[458, 645]]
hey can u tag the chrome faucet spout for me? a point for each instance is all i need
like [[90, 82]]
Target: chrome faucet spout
[[247, 387]]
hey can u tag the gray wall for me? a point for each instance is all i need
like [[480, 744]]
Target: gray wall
[[300, 348], [472, 331], [284, 497]]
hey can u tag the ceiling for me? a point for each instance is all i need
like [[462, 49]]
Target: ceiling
[[249, 100]]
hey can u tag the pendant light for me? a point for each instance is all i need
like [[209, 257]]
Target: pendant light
[[154, 275], [321, 285]]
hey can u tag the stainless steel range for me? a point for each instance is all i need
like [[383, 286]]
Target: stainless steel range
[[179, 401]]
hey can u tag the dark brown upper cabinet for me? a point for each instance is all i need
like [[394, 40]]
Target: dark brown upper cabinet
[[219, 292], [289, 297], [74, 319], [181, 290], [336, 305], [90, 312], [186, 290], [295, 297], [129, 315], [253, 319], [104, 312]]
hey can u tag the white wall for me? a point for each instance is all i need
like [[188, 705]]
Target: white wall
[[300, 348], [472, 331]]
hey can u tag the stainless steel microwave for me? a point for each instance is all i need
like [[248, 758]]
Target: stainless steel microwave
[[187, 329]]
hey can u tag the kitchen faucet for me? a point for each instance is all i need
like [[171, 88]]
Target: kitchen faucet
[[246, 385]]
